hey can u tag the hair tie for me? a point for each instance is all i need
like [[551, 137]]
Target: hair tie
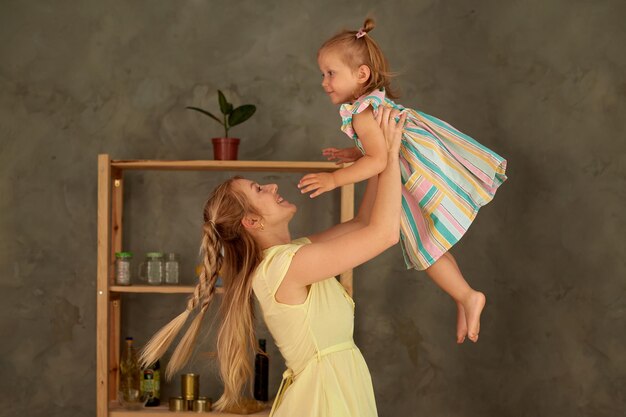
[[361, 33], [214, 226]]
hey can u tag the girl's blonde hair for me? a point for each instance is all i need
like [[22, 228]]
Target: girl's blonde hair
[[229, 249], [363, 51]]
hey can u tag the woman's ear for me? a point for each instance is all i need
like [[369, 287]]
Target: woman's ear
[[363, 74], [250, 222]]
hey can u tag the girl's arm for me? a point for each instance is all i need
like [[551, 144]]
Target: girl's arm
[[374, 160], [327, 258], [370, 164]]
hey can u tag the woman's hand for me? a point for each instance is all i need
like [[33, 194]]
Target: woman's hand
[[392, 130], [342, 155]]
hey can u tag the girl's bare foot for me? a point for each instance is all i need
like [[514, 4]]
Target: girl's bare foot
[[473, 306], [461, 323]]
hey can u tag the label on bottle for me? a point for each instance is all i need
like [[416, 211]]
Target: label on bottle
[[150, 383]]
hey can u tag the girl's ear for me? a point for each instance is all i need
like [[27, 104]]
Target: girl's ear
[[363, 74]]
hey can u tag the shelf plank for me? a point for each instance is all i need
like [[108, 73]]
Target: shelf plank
[[116, 411], [160, 289], [210, 165]]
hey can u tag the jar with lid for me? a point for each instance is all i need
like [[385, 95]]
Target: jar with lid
[[122, 268], [171, 269], [151, 270]]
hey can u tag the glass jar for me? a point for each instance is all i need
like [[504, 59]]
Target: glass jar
[[151, 270], [122, 268], [171, 269]]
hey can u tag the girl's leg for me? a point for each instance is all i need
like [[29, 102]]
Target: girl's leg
[[446, 274], [461, 321]]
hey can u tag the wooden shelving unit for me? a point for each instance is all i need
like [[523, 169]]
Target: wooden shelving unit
[[108, 295]]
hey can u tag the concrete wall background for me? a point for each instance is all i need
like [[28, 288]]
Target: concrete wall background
[[541, 82]]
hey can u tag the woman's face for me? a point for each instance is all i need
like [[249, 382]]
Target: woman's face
[[265, 198]]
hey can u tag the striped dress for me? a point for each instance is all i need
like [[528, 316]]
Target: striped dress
[[446, 175]]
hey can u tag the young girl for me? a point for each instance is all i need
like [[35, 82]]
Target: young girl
[[447, 175]]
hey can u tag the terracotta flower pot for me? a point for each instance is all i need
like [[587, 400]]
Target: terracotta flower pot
[[225, 149]]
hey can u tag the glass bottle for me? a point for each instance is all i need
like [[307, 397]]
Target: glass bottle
[[171, 269], [122, 268], [130, 390], [261, 373], [151, 384]]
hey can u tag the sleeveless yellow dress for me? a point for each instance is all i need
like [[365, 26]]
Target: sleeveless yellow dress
[[326, 374]]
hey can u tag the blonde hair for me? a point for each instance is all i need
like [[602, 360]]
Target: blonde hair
[[363, 51], [229, 249]]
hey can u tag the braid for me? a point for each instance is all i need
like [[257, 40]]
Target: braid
[[202, 295]]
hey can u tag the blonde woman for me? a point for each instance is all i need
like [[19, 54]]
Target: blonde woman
[[309, 314]]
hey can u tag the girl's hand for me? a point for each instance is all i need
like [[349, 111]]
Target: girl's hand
[[342, 155], [319, 182], [392, 130]]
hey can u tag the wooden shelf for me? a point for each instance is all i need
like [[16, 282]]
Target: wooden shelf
[[209, 165], [116, 411], [159, 289], [110, 229]]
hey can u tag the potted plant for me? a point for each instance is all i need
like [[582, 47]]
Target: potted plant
[[226, 148]]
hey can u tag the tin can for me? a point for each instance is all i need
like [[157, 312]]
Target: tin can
[[177, 404], [189, 386], [201, 405]]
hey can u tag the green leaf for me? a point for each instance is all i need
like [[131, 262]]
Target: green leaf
[[206, 113], [225, 106], [241, 114]]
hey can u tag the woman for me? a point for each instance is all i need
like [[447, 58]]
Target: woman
[[310, 316]]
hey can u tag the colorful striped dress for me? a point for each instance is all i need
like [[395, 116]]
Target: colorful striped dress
[[447, 177]]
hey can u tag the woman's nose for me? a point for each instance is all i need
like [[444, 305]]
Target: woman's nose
[[270, 187]]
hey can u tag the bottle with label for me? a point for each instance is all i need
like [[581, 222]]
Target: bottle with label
[[151, 384], [130, 390], [261, 373]]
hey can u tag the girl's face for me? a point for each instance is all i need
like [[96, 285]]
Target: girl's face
[[265, 198], [339, 81]]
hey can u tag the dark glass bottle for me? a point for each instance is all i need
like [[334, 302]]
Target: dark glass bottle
[[261, 373], [151, 384]]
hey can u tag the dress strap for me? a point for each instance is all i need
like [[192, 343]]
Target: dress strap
[[289, 375]]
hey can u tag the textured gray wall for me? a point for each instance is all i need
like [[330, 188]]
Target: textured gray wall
[[541, 82]]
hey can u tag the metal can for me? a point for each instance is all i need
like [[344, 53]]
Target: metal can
[[189, 386], [201, 405], [177, 404]]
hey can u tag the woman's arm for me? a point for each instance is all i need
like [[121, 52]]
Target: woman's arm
[[318, 261], [370, 164], [360, 220]]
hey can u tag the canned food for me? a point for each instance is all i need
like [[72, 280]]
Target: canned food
[[201, 405], [177, 404], [189, 386]]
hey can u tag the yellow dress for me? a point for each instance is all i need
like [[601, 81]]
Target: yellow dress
[[326, 374]]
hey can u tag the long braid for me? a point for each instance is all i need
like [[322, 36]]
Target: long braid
[[203, 294]]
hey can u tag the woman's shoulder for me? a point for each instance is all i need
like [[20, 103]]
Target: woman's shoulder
[[275, 251], [274, 264]]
